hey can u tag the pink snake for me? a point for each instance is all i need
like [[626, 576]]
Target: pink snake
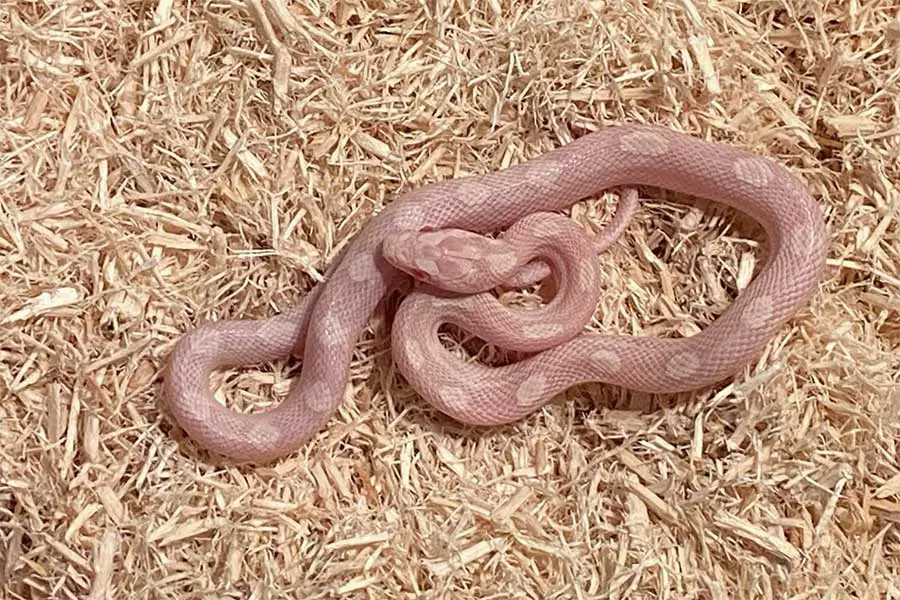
[[426, 234]]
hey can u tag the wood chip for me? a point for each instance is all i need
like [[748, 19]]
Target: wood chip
[[746, 530]]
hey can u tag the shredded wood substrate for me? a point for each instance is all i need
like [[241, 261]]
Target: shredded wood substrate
[[166, 164]]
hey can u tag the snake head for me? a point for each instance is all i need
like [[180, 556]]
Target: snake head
[[451, 259]]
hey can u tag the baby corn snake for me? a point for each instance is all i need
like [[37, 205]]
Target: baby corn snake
[[432, 233]]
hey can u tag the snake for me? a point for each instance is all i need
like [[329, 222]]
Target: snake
[[454, 242]]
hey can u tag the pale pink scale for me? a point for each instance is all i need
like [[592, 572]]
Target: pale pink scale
[[318, 398], [753, 171], [472, 193], [458, 245], [542, 330], [263, 429], [504, 261], [644, 143], [682, 366], [811, 237], [268, 329], [758, 312], [334, 330], [412, 219], [428, 265], [531, 390], [607, 359], [452, 396], [544, 173], [362, 268], [586, 276], [414, 354]]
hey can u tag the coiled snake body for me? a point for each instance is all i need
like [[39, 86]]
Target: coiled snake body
[[426, 234]]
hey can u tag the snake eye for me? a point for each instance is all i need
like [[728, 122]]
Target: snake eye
[[418, 274]]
